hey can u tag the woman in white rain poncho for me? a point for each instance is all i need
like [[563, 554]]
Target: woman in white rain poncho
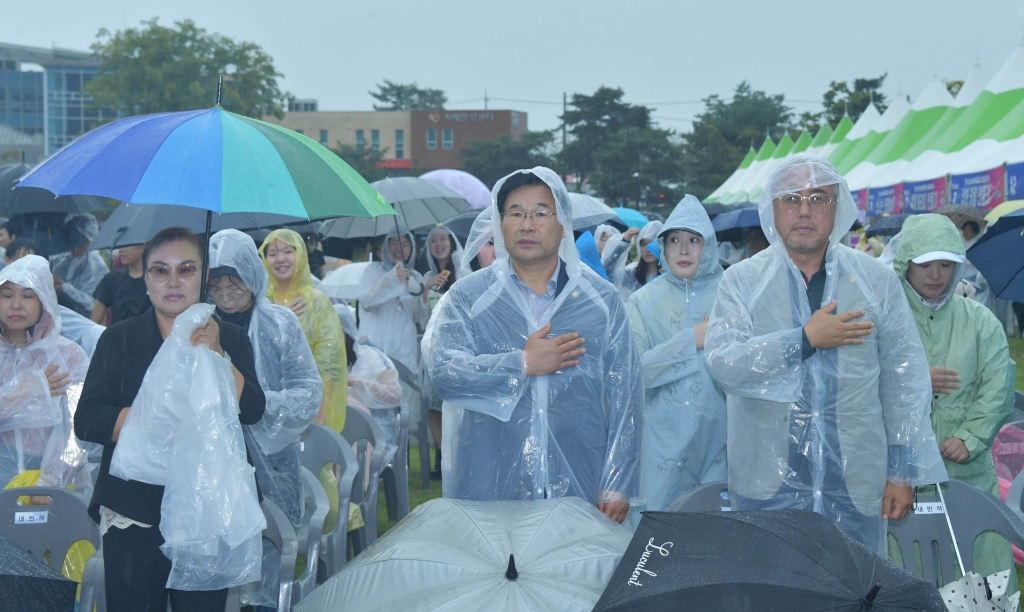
[[391, 301], [479, 250], [444, 257], [37, 369], [286, 369], [684, 415], [603, 233], [509, 435], [629, 278], [823, 429]]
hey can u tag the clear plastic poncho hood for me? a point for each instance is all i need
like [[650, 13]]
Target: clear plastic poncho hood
[[822, 431], [37, 429], [684, 413], [457, 253], [507, 436], [481, 232], [286, 371]]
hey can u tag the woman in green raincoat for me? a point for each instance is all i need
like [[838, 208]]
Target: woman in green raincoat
[[971, 370]]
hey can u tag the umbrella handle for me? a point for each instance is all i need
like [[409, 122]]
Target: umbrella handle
[[949, 524]]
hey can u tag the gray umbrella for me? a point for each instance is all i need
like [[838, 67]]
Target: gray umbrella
[[33, 200], [129, 225], [588, 211], [418, 202]]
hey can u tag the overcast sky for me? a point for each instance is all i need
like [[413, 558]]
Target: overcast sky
[[664, 53]]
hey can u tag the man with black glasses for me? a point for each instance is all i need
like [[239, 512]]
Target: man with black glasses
[[825, 376]]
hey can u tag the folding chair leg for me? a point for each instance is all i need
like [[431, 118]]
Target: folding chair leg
[[391, 492]]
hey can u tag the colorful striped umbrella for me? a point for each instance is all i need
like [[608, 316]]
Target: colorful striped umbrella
[[210, 159]]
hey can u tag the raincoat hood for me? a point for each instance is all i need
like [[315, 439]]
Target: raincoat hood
[[806, 171], [651, 230], [923, 234], [33, 272], [348, 320], [690, 215], [457, 253], [567, 250], [236, 250], [588, 253], [606, 229], [303, 278], [385, 252], [479, 234]]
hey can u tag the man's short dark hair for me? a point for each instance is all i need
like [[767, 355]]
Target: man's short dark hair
[[517, 180], [973, 224], [21, 244]]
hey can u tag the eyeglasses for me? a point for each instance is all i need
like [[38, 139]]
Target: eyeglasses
[[162, 274], [229, 292], [818, 202], [540, 217]]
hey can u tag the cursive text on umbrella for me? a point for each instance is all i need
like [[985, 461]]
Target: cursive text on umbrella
[[634, 579]]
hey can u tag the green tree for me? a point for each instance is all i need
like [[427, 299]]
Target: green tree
[[641, 165], [159, 69], [490, 160], [593, 121], [363, 160], [404, 97], [725, 130], [842, 99]]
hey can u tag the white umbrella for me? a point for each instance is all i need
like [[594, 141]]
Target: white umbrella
[[466, 556], [973, 593], [344, 283], [588, 211]]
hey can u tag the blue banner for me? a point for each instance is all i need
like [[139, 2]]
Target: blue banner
[[924, 196], [1015, 181], [983, 190], [885, 200]]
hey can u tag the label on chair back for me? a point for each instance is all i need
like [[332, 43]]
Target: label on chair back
[[928, 508], [31, 518]]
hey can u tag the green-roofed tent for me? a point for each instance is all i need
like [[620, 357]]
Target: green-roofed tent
[[783, 150], [855, 135], [889, 120], [739, 192], [736, 175]]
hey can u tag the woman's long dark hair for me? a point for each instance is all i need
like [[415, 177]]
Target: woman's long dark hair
[[641, 271]]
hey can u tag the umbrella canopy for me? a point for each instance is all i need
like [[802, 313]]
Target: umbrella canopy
[[419, 203], [39, 200], [974, 593], [464, 184], [1003, 209], [137, 224], [461, 224], [958, 214], [345, 283], [631, 217], [714, 208], [889, 225], [777, 560], [210, 159], [999, 256], [744, 217], [588, 211], [448, 554], [29, 584]]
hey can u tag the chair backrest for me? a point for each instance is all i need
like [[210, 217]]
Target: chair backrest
[[52, 528], [1018, 407], [360, 428], [1015, 496], [710, 497], [972, 511], [406, 375], [321, 445], [281, 533]]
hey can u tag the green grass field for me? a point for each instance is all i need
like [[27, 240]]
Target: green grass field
[[1017, 353], [417, 495]]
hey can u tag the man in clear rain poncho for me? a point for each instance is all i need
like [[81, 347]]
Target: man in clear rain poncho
[[825, 376], [79, 271], [536, 363]]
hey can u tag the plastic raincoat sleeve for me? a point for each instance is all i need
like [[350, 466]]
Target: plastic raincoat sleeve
[[490, 384], [613, 257], [995, 396], [768, 367], [672, 360], [329, 354], [387, 288], [80, 330], [86, 278], [904, 387], [373, 382]]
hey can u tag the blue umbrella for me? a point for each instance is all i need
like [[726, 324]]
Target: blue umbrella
[[744, 217], [631, 217], [999, 256]]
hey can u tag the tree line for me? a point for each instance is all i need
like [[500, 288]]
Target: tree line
[[612, 147]]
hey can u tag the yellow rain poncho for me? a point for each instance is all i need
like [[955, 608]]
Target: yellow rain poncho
[[320, 325]]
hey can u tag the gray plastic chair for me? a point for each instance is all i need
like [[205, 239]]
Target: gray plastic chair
[[314, 512], [1015, 496], [67, 522], [319, 446], [280, 532], [710, 497], [360, 429], [396, 474], [972, 511], [1018, 407]]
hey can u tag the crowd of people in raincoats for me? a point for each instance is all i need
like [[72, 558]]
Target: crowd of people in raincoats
[[804, 373]]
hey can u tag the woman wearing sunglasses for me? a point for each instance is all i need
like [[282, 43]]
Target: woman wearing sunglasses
[[128, 512]]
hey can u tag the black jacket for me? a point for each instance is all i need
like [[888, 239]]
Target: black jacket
[[118, 365]]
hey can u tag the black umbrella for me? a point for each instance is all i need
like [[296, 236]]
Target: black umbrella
[[129, 225], [785, 560], [999, 256], [889, 225], [33, 200], [26, 583], [460, 224], [419, 203]]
